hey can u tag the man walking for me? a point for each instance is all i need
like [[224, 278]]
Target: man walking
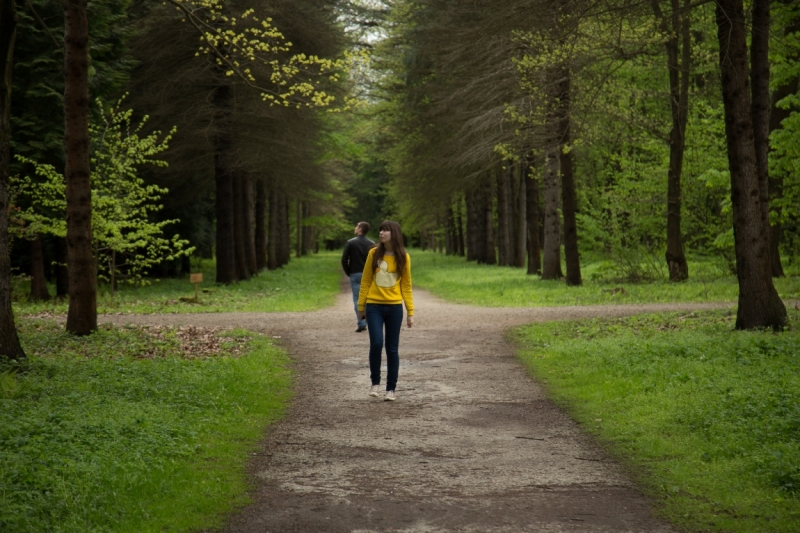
[[353, 259]]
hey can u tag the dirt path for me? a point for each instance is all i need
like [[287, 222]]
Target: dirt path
[[472, 444]]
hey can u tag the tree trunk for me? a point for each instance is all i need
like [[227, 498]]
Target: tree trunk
[[503, 238], [568, 198], [261, 225], [522, 217], [532, 219], [777, 115], [10, 348], [450, 231], [225, 243], [459, 228], [273, 244], [306, 208], [285, 253], [242, 272], [678, 66], [759, 303], [490, 257], [38, 279], [248, 207], [473, 227], [62, 272], [760, 102], [298, 234], [82, 314], [552, 225]]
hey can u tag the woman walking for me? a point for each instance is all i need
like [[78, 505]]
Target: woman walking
[[385, 285]]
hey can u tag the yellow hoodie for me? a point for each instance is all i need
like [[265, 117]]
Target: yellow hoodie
[[384, 285]]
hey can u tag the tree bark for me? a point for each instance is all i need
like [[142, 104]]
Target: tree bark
[[759, 101], [459, 228], [298, 234], [532, 219], [62, 272], [307, 230], [678, 49], [261, 225], [450, 231], [287, 244], [239, 244], [522, 217], [568, 197], [285, 252], [38, 278], [248, 207], [759, 303], [273, 244], [551, 268], [503, 238], [82, 313], [490, 257], [225, 244], [10, 347], [472, 225]]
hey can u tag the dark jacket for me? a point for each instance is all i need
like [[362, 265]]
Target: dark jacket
[[355, 254]]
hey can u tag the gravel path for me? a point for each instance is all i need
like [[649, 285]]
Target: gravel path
[[472, 444]]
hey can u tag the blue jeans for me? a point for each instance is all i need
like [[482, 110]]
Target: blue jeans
[[355, 285], [378, 317]]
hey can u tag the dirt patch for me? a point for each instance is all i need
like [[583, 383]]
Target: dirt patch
[[472, 444]]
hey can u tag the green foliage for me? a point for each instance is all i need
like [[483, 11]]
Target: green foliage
[[451, 278], [359, 144], [127, 243], [784, 141], [305, 284], [98, 439], [254, 50], [441, 115], [623, 157], [708, 417]]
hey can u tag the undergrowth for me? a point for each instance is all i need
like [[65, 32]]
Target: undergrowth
[[456, 280], [305, 284], [96, 437], [708, 417]]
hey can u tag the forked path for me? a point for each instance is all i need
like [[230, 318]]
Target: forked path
[[472, 443]]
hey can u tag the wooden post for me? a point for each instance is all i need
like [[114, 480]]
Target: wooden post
[[196, 279]]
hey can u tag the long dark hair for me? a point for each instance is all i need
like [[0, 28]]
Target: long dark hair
[[397, 244]]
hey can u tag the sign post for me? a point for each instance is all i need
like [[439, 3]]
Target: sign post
[[196, 279]]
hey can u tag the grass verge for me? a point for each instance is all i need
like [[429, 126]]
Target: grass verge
[[129, 430], [305, 284], [708, 417], [456, 280]]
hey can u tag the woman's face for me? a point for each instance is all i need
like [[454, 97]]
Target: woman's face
[[385, 235]]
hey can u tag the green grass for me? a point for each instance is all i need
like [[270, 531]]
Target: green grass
[[100, 439], [305, 284], [455, 280], [707, 417]]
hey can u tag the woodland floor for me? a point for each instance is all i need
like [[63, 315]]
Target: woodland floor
[[472, 443]]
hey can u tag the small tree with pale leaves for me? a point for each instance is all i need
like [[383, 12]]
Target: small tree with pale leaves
[[127, 243]]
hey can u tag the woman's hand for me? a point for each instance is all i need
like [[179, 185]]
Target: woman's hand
[[410, 321], [362, 315]]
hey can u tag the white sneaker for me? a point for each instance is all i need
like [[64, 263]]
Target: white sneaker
[[373, 391], [390, 396]]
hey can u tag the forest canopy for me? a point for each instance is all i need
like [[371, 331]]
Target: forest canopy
[[524, 134]]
